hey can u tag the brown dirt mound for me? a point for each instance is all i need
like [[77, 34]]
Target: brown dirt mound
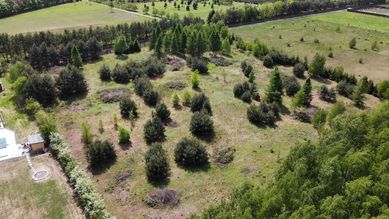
[[163, 197], [113, 95]]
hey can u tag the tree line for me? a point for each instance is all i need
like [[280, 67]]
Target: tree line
[[270, 10], [10, 7]]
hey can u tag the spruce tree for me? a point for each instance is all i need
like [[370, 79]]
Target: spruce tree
[[76, 57], [304, 96], [357, 95], [120, 45], [226, 47], [274, 90], [158, 46], [157, 164], [215, 42], [316, 68]]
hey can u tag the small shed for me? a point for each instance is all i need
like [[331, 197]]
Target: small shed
[[36, 142]]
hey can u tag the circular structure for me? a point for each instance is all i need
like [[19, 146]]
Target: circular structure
[[41, 174]]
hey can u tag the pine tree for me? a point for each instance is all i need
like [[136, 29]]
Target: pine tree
[[316, 68], [158, 47], [155, 34], [201, 43], [274, 90], [191, 44], [34, 57], [120, 45], [76, 57], [357, 95], [215, 42], [304, 96], [226, 47]]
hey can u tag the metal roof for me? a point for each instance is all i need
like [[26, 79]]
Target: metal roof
[[33, 139]]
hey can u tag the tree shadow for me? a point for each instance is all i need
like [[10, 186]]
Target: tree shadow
[[101, 168], [202, 168], [70, 99], [159, 183], [322, 80], [121, 57], [125, 146], [207, 138], [197, 89]]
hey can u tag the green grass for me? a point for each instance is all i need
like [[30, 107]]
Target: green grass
[[365, 28], [71, 15], [202, 11]]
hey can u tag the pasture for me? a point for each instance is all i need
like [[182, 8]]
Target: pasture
[[305, 36], [67, 16]]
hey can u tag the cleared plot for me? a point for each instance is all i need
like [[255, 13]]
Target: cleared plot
[[201, 11], [333, 31], [72, 15], [21, 197]]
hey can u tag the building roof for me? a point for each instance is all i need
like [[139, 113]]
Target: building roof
[[33, 139]]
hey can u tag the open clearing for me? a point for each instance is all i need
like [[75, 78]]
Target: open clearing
[[21, 197], [71, 15], [365, 28]]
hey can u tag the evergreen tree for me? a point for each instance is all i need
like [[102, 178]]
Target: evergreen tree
[[71, 82], [357, 95], [76, 59], [120, 45], [155, 34], [316, 68], [158, 46], [226, 48], [304, 96], [35, 57], [274, 90], [157, 164], [94, 48], [40, 87], [215, 42]]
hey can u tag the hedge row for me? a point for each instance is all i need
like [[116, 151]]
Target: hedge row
[[90, 200]]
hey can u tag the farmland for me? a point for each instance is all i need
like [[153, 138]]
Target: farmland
[[286, 35], [67, 16]]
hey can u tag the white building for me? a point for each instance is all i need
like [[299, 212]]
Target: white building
[[8, 147]]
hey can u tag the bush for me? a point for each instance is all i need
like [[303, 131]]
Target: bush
[[151, 97], [195, 79], [128, 107], [246, 67], [157, 165], [142, 85], [319, 119], [264, 114], [238, 90], [124, 136], [154, 131], [187, 98], [31, 107], [154, 67], [46, 126], [298, 70], [291, 85], [326, 94], [246, 97], [190, 153], [105, 73], [86, 133], [268, 62], [383, 89], [224, 156], [162, 112], [353, 43], [71, 82], [175, 100], [316, 68], [197, 64], [201, 125], [100, 153], [41, 88], [120, 74], [337, 109], [200, 102], [345, 89]]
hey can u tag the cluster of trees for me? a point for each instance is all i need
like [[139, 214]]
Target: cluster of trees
[[10, 7], [276, 9], [201, 124], [123, 46], [264, 114], [19, 46], [343, 175], [193, 40]]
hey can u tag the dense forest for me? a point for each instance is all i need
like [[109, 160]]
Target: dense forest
[[343, 175]]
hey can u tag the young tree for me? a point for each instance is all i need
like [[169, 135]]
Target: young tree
[[100, 153], [120, 74], [71, 82], [215, 41], [154, 131], [353, 43], [316, 68], [76, 59], [158, 46], [195, 80], [274, 90], [291, 85], [157, 164], [337, 109], [105, 73], [190, 153], [128, 108], [162, 112], [200, 102], [86, 134], [319, 119], [201, 124], [175, 100], [383, 89], [304, 96], [35, 57], [124, 136], [120, 45], [40, 87], [226, 47], [298, 70], [94, 48], [357, 96]]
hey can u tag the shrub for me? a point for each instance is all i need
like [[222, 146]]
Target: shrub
[[316, 68], [105, 73], [154, 131], [86, 133], [175, 100], [190, 153], [201, 124], [200, 102], [345, 89], [128, 108], [298, 70], [120, 74], [383, 89], [238, 90], [197, 64], [151, 97], [46, 125], [41, 88], [157, 165], [124, 136], [326, 94], [353, 43], [274, 90], [246, 67], [304, 95], [142, 85], [187, 98], [195, 79], [100, 153], [162, 112], [291, 85], [154, 67], [264, 114], [337, 109], [224, 156], [31, 107], [268, 62], [71, 82], [246, 97], [120, 45], [319, 119]]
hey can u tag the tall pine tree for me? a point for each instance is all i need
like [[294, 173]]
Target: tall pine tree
[[304, 95], [76, 57], [274, 90]]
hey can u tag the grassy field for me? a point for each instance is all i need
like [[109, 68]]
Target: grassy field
[[20, 197], [72, 15], [202, 11], [333, 30]]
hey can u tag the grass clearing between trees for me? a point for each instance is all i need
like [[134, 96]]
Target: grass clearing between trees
[[332, 30], [67, 16]]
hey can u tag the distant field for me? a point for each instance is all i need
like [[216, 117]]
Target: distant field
[[72, 15], [365, 28], [202, 11]]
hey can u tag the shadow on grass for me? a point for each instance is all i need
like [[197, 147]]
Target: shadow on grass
[[121, 57], [125, 146], [102, 167], [70, 99], [202, 168], [159, 183]]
